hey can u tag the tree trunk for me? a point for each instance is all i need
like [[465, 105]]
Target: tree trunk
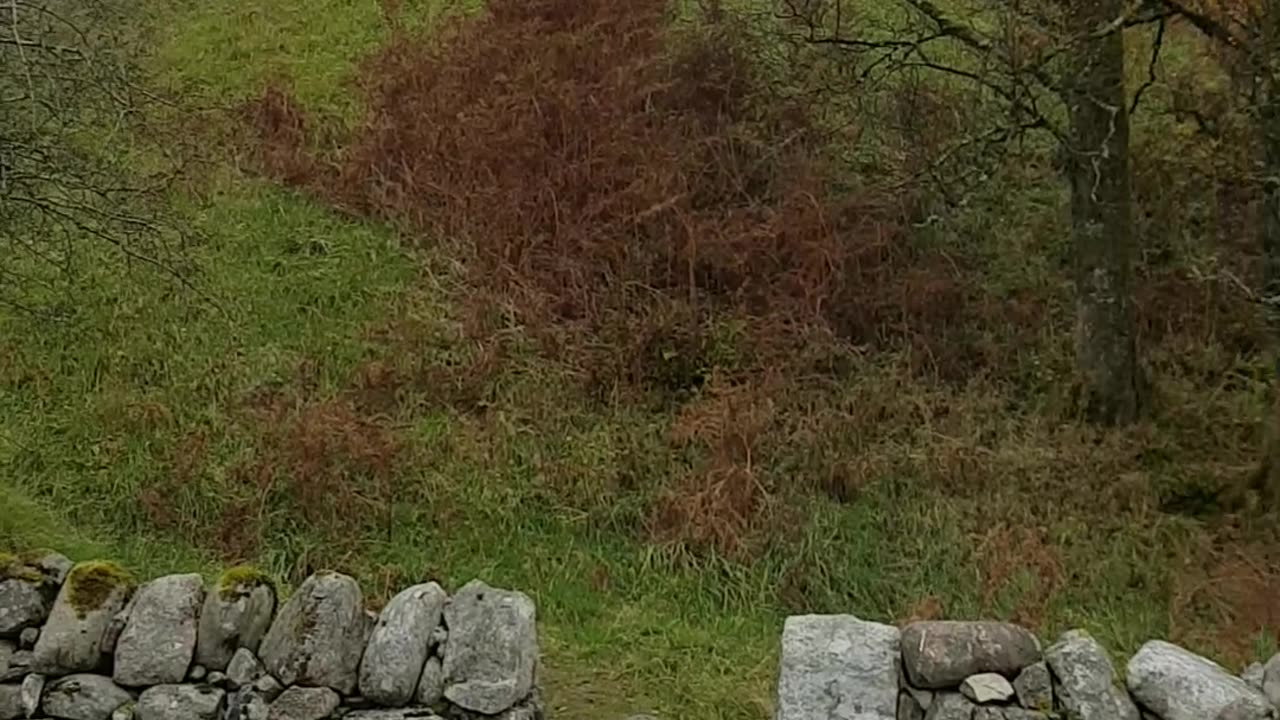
[[1101, 220]]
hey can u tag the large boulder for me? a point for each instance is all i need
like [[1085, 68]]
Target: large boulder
[[319, 635], [237, 614], [1086, 687], [88, 601], [159, 636], [941, 654], [1271, 679], [83, 697], [400, 643], [492, 651], [836, 667], [180, 702], [1176, 684], [298, 703]]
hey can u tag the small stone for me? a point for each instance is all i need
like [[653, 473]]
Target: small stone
[[255, 708], [987, 688], [16, 665], [244, 668], [237, 614], [111, 636], [1240, 709], [1034, 687], [400, 644], [298, 703], [923, 698], [831, 666], [180, 702], [71, 640], [431, 685], [7, 649], [1271, 680], [908, 708], [124, 712], [159, 637], [1086, 689], [216, 679], [941, 654], [83, 697], [268, 687], [28, 638], [54, 566], [493, 649], [439, 636], [32, 691], [1177, 684], [949, 706], [11, 702], [197, 673], [319, 636], [1253, 674]]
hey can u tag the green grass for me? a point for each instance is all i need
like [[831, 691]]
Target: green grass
[[146, 386]]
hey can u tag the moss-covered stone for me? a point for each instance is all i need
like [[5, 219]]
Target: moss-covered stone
[[90, 584], [13, 567], [241, 579]]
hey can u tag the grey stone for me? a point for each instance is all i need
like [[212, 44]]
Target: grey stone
[[217, 679], [255, 708], [159, 637], [941, 654], [988, 713], [244, 668], [124, 712], [1086, 687], [16, 665], [439, 637], [111, 636], [32, 690], [298, 703], [400, 644], [987, 688], [11, 702], [83, 697], [923, 698], [54, 566], [1271, 679], [493, 648], [1034, 687], [180, 702], [908, 708], [1176, 684], [833, 666], [71, 639], [237, 614], [319, 635], [268, 687], [7, 650], [28, 638], [399, 714], [431, 685], [1240, 709], [197, 673], [1253, 674], [950, 706], [23, 605]]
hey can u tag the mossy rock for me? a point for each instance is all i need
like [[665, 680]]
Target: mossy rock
[[241, 579], [15, 567], [90, 584]]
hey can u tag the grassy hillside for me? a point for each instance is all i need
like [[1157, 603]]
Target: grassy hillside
[[350, 395]]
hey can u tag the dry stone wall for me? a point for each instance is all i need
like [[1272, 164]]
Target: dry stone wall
[[838, 667], [83, 642]]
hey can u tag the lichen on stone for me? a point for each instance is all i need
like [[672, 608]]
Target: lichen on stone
[[241, 578], [91, 583]]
